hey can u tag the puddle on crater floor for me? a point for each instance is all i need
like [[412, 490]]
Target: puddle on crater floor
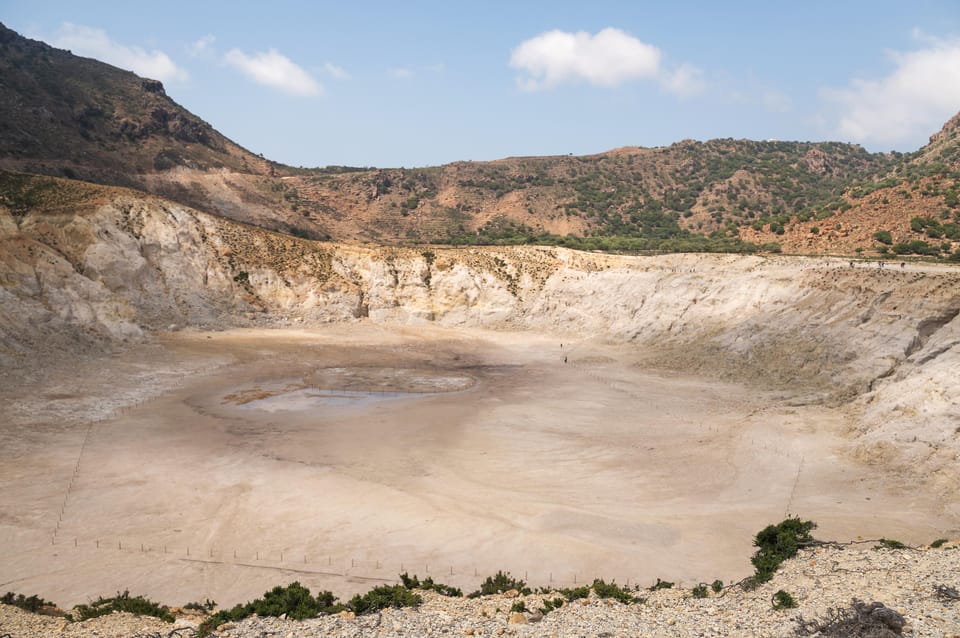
[[346, 388], [312, 398]]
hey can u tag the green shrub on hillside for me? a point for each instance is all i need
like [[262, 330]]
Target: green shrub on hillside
[[783, 600], [137, 605], [412, 582], [612, 590], [382, 597], [661, 584], [915, 247], [777, 543], [294, 600], [549, 604], [575, 593], [33, 603], [500, 583], [207, 605]]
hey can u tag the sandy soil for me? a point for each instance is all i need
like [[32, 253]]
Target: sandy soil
[[220, 464]]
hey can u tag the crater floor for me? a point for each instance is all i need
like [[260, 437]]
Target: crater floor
[[220, 464]]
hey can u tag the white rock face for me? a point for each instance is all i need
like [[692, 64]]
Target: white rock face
[[887, 339]]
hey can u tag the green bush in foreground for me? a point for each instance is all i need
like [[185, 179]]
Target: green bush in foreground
[[661, 584], [612, 590], [383, 597], [297, 603], [783, 600], [700, 591], [137, 605], [207, 605], [502, 582], [549, 604], [717, 586], [777, 543], [575, 593], [294, 600], [412, 582], [33, 604], [937, 544]]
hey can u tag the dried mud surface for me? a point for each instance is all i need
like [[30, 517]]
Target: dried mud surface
[[458, 451]]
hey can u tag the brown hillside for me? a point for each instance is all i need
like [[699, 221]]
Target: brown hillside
[[915, 201], [67, 116], [656, 193]]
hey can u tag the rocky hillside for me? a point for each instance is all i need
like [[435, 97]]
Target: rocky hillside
[[66, 116], [92, 121], [642, 193], [911, 209], [82, 265], [75, 117]]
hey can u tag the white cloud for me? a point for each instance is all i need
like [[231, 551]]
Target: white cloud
[[914, 100], [275, 70], [95, 43], [608, 58], [202, 46], [336, 72]]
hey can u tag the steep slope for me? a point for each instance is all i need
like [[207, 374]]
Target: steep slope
[[69, 116], [93, 121], [914, 206]]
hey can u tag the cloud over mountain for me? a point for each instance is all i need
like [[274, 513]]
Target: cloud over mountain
[[608, 58], [95, 43], [273, 69], [921, 91]]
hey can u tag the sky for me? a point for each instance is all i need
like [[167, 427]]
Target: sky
[[389, 84]]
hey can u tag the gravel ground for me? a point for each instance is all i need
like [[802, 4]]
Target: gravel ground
[[819, 579]]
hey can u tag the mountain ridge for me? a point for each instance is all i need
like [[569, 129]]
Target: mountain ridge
[[74, 117]]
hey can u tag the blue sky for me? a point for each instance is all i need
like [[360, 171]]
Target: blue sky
[[425, 83]]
